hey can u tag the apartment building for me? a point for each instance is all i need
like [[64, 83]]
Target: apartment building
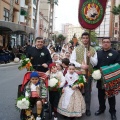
[[12, 33], [30, 9], [104, 29], [44, 10], [5, 9], [77, 30], [116, 23], [4, 18]]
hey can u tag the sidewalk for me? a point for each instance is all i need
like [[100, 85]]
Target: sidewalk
[[9, 64]]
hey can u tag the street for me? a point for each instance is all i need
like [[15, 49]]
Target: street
[[11, 77]]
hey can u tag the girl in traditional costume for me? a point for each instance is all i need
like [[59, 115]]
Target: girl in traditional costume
[[71, 103], [55, 92]]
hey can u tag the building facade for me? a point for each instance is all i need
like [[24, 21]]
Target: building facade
[[104, 29], [116, 23], [4, 16], [12, 30], [44, 9], [74, 30]]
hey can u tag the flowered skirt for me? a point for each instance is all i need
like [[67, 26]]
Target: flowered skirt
[[76, 105]]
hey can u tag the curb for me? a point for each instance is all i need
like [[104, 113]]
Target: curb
[[9, 64]]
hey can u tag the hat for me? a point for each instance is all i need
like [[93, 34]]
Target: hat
[[51, 65], [34, 74]]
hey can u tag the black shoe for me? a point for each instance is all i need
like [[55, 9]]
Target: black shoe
[[113, 116], [99, 112], [88, 113]]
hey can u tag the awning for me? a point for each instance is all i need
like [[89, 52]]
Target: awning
[[7, 27]]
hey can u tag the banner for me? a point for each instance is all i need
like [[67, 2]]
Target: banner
[[91, 13]]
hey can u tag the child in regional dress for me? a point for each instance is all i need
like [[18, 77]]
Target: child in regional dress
[[71, 103], [36, 91], [54, 93]]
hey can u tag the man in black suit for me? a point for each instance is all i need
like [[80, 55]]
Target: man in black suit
[[106, 56], [39, 55]]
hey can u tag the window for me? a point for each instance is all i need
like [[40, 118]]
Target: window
[[34, 11], [6, 14], [34, 2], [16, 1], [116, 24], [116, 32]]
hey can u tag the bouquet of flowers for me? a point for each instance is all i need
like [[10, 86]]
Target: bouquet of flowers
[[96, 75], [53, 83], [80, 82], [25, 63], [23, 103]]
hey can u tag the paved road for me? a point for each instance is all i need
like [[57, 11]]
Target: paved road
[[11, 77]]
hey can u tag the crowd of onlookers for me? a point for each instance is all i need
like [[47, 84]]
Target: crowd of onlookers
[[8, 54]]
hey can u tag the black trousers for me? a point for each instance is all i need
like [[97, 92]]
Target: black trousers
[[54, 98], [102, 100], [87, 90]]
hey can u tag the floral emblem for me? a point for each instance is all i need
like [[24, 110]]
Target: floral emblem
[[42, 54], [110, 54]]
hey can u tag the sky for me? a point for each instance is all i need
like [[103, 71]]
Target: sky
[[66, 12]]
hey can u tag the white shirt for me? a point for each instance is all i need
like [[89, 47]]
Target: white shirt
[[93, 60]]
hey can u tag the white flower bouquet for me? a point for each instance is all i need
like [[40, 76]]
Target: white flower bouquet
[[23, 103], [96, 75], [53, 83], [25, 63]]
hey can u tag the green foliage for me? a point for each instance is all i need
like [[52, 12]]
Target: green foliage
[[116, 10], [55, 2], [54, 37], [23, 12], [71, 41], [23, 57], [93, 37], [24, 63], [60, 39], [81, 79], [21, 97]]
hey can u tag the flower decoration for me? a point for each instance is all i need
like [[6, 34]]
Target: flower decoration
[[96, 75], [23, 103], [53, 83], [42, 54], [80, 82], [25, 63], [110, 54]]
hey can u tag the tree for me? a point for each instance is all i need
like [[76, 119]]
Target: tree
[[55, 1], [116, 12], [60, 39], [93, 38]]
